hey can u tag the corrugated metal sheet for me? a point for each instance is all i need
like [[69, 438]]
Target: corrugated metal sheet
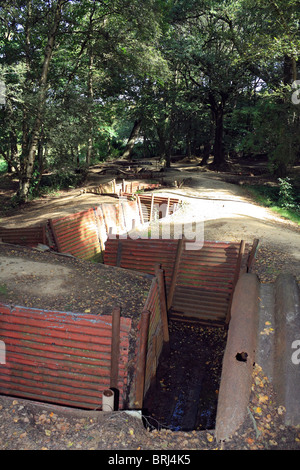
[[30, 236], [60, 357], [149, 344], [84, 234], [205, 281], [141, 255], [76, 234], [205, 278]]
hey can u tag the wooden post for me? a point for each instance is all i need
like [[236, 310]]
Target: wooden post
[[54, 236], [115, 348], [163, 304], [168, 207], [175, 273], [142, 359], [236, 278], [252, 255], [151, 208], [140, 209]]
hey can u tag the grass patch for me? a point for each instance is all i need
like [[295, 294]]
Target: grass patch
[[3, 289], [269, 196]]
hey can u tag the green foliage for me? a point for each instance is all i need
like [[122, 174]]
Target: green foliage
[[283, 198], [196, 73], [3, 166], [3, 289], [287, 199]]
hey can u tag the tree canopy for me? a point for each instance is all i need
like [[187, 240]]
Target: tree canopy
[[80, 81]]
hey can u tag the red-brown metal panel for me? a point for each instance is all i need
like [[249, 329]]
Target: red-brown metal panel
[[205, 279], [142, 255], [149, 343], [60, 357], [76, 234], [29, 236]]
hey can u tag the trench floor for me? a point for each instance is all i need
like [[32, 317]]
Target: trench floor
[[184, 394]]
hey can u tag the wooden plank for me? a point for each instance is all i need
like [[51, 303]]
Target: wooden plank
[[180, 245]]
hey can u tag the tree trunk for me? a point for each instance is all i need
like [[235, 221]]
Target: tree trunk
[[29, 158], [208, 143], [90, 117], [206, 154], [132, 139], [218, 150]]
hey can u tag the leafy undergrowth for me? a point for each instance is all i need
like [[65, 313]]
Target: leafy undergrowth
[[282, 199]]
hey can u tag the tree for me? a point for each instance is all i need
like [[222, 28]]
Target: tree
[[88, 51], [29, 159], [207, 60], [266, 36]]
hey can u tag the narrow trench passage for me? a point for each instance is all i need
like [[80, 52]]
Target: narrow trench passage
[[184, 394]]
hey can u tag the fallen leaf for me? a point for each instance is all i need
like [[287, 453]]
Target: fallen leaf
[[281, 410], [249, 440], [263, 398], [273, 443]]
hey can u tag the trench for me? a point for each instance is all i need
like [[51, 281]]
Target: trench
[[183, 396]]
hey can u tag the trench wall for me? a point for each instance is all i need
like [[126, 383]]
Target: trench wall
[[69, 359], [60, 357]]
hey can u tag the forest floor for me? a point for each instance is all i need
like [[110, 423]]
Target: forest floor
[[228, 214]]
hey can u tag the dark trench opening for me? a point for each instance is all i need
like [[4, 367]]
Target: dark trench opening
[[184, 394]]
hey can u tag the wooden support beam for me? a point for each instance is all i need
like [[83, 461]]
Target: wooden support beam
[[56, 240], [236, 278], [163, 304], [142, 359], [151, 208], [140, 209], [115, 348], [252, 255], [180, 246]]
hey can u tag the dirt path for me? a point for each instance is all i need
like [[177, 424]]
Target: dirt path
[[223, 211], [229, 214], [226, 210]]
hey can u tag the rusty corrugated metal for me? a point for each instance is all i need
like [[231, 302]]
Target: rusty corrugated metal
[[84, 234], [150, 344], [29, 236], [141, 255], [60, 357], [205, 279], [76, 234]]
